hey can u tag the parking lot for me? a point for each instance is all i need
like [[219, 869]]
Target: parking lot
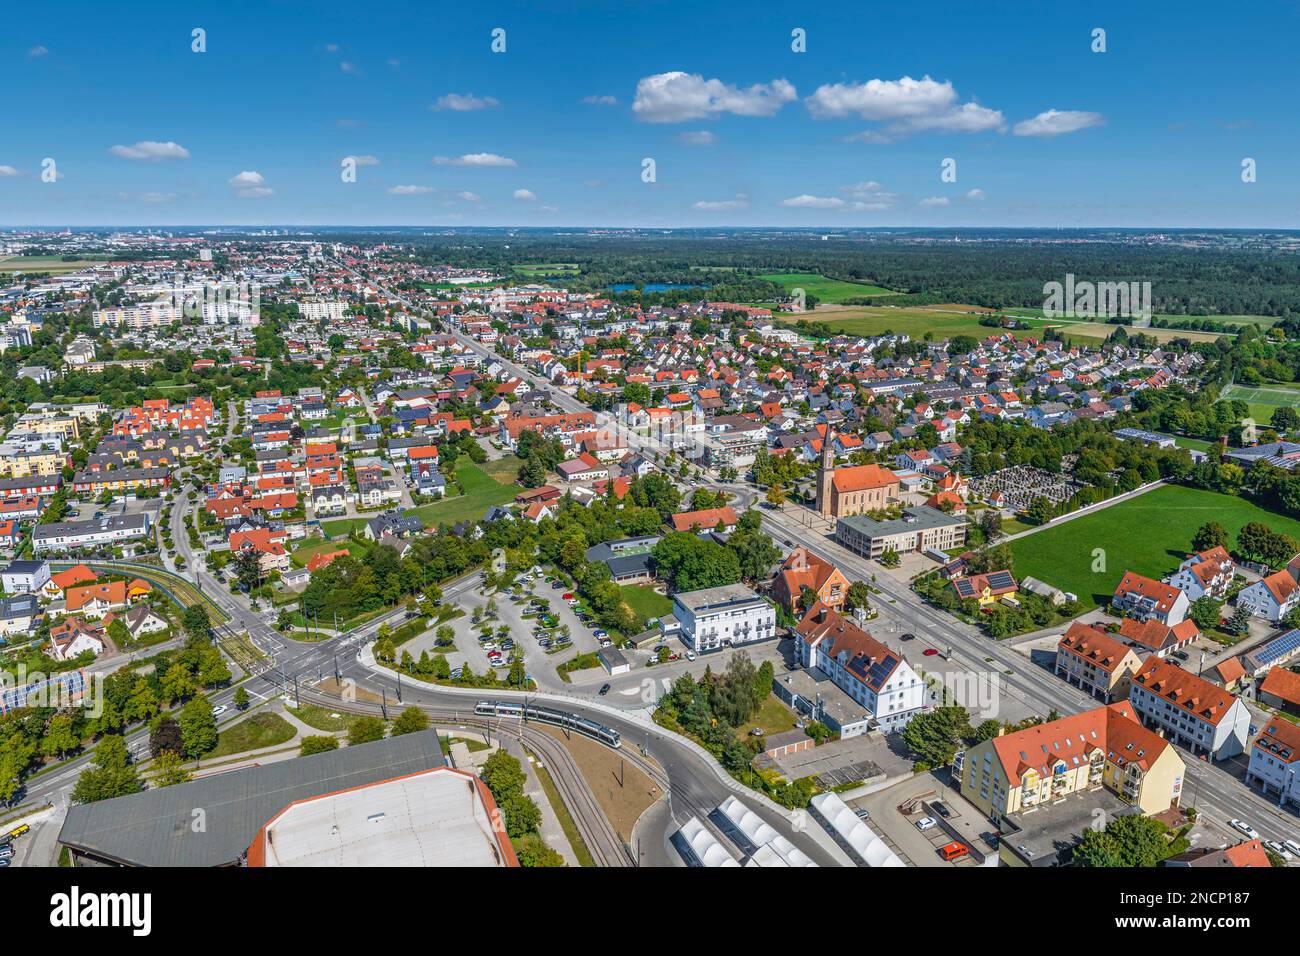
[[511, 607], [916, 846]]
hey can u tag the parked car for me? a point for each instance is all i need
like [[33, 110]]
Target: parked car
[[929, 652], [862, 813], [219, 710], [926, 823], [939, 807], [599, 633], [1181, 655], [604, 689], [909, 637], [755, 731], [1241, 826], [954, 851], [1293, 846], [1277, 848], [690, 655], [568, 596]]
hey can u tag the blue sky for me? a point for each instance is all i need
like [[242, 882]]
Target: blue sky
[[742, 130]]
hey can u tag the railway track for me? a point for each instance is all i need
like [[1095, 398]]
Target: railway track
[[593, 825]]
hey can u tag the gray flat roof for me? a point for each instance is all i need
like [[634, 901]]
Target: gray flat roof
[[212, 821], [714, 597], [920, 518]]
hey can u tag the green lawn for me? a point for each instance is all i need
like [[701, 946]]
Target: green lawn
[[826, 290], [253, 733], [482, 491], [642, 599], [301, 555], [504, 469], [44, 264], [1263, 399], [1149, 534], [773, 717], [322, 719]]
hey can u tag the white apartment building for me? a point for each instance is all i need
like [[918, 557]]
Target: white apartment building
[[317, 311], [1189, 710], [1275, 762], [714, 618], [878, 678]]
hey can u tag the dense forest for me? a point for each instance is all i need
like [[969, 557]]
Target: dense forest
[[1186, 279]]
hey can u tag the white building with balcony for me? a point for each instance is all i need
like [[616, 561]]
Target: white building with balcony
[[730, 615]]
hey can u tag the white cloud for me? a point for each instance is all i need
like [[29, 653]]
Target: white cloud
[[906, 106], [525, 195], [676, 97], [149, 151], [869, 196], [250, 185], [9, 171], [699, 137], [331, 48], [348, 67], [722, 205], [930, 202], [409, 190], [976, 195], [1056, 122], [364, 160], [474, 159], [465, 102], [600, 100], [468, 196], [805, 201], [38, 51]]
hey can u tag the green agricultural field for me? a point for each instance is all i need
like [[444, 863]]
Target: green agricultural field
[[482, 491], [876, 320], [826, 290], [1149, 534]]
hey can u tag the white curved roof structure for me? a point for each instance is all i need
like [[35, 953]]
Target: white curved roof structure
[[857, 837], [704, 845], [747, 822], [771, 849]]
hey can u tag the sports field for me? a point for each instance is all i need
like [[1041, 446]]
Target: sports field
[[1149, 534], [826, 290], [1263, 399]]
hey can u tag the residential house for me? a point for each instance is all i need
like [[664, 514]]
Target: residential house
[[1144, 598], [803, 569], [1096, 662], [1190, 710], [1106, 747]]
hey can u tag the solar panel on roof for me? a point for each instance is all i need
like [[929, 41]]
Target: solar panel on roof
[[1278, 647], [1001, 579]]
